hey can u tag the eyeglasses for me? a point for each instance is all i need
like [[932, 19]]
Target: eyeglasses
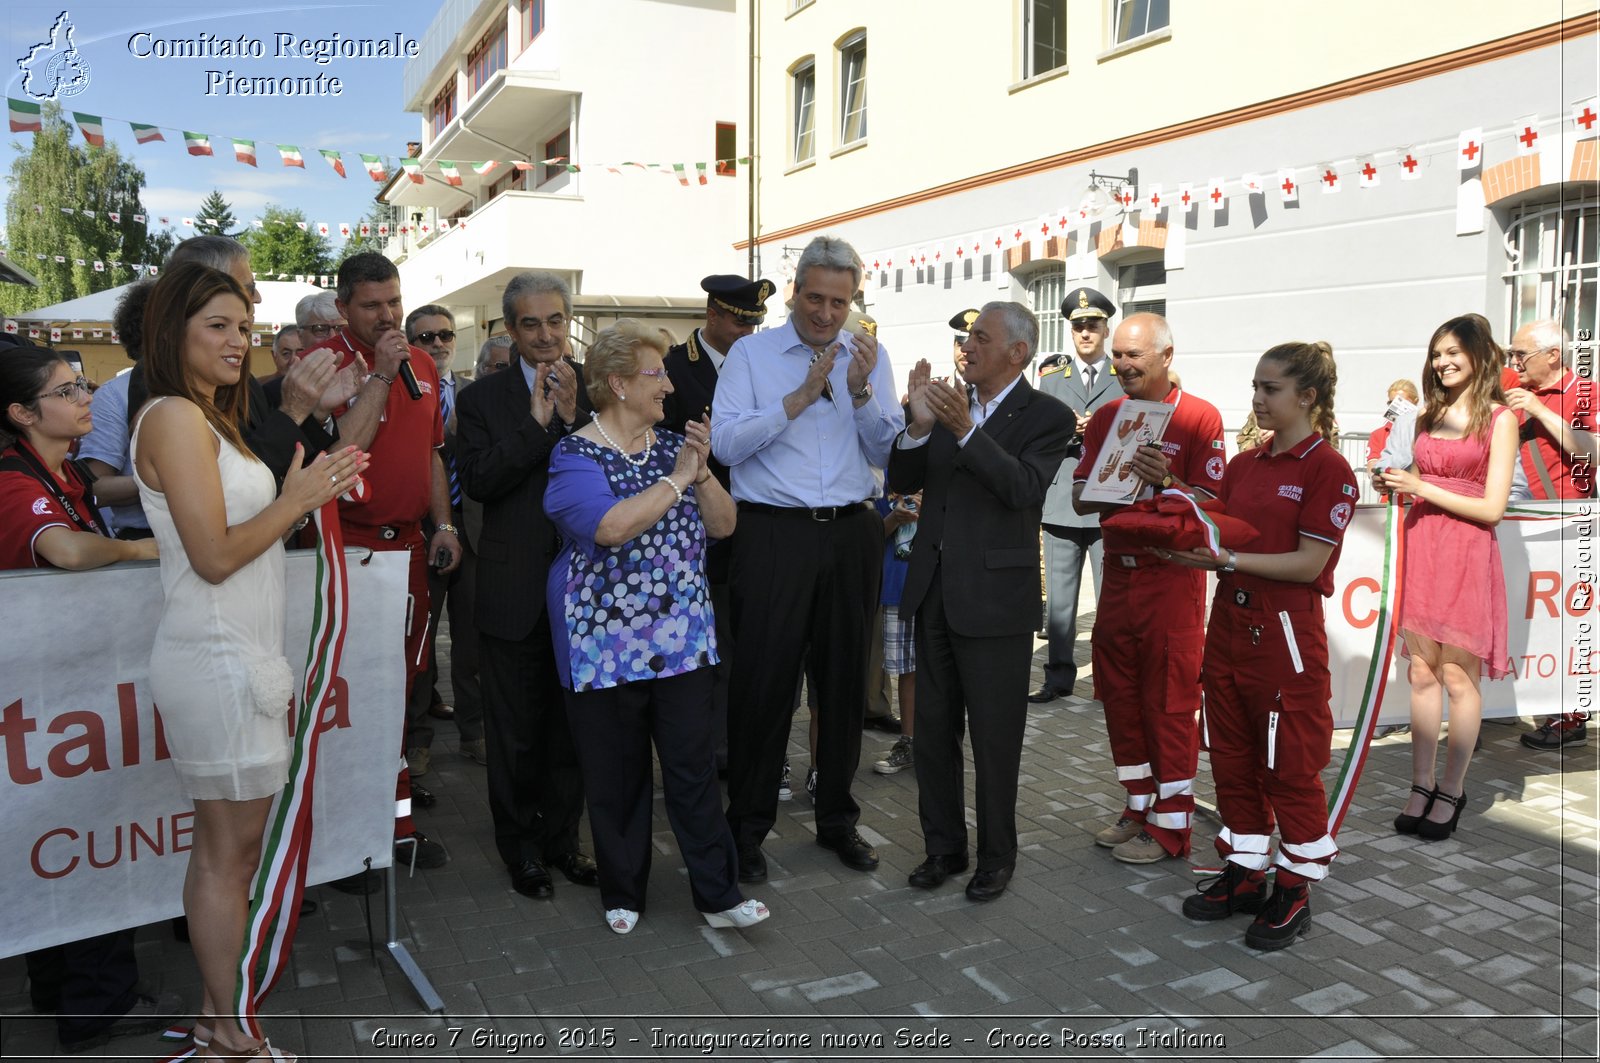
[[319, 330], [76, 391], [1515, 357], [422, 339], [653, 374], [1086, 324], [495, 367]]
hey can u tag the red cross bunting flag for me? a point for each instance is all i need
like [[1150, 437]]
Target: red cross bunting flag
[[1469, 149], [1186, 200], [1367, 172], [1214, 193], [1525, 131], [1410, 164], [1153, 200], [1586, 117], [1328, 178], [344, 230], [322, 228], [1288, 187]]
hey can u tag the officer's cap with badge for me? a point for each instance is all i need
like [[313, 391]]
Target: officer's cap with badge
[[1082, 303], [962, 323], [744, 299]]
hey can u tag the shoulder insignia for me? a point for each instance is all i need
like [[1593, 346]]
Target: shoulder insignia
[[1059, 367], [694, 349]]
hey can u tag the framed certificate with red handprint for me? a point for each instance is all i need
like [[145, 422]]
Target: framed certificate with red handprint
[[1138, 423]]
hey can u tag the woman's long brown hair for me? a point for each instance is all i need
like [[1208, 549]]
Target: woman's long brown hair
[[178, 296], [1473, 334]]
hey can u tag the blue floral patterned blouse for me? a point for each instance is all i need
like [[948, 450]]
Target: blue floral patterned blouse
[[637, 611]]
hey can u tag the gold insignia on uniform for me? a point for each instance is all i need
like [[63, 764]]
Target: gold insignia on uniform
[[764, 292], [694, 349], [970, 317]]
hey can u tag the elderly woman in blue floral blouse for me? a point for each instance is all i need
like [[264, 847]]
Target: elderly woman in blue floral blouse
[[634, 507]]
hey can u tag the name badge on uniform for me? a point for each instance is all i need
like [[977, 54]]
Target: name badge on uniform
[[1241, 598]]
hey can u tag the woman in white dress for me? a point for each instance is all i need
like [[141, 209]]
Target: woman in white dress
[[217, 671]]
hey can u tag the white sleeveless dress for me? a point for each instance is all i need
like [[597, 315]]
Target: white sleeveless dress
[[217, 671]]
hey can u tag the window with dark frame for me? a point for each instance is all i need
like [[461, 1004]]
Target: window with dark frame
[[805, 118], [443, 109], [1044, 36], [558, 148], [727, 149], [532, 12], [486, 59], [1135, 18], [853, 89]]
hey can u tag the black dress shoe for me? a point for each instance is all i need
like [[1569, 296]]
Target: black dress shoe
[[752, 865], [421, 796], [932, 872], [888, 724], [579, 869], [987, 885], [1045, 694], [531, 880], [853, 850]]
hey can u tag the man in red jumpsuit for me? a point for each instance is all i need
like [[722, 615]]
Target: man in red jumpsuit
[[1149, 634], [407, 479]]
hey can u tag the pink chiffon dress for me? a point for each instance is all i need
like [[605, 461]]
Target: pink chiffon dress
[[1454, 590]]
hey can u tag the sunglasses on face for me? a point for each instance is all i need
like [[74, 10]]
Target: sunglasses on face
[[422, 339]]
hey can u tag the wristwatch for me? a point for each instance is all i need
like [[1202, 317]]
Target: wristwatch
[[864, 393], [1168, 480], [1231, 564], [451, 528]]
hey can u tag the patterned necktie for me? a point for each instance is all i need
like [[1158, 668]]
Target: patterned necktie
[[447, 405]]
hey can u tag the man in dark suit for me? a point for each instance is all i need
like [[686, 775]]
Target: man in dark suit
[[735, 307], [506, 426], [983, 461], [1085, 381]]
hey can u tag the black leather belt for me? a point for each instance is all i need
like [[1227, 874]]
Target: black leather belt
[[821, 513]]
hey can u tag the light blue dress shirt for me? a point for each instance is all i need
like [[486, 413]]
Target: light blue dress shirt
[[831, 455]]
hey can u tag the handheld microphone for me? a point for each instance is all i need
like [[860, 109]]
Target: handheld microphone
[[409, 379]]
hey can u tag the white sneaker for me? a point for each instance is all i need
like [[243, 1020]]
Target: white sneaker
[[784, 792], [747, 914], [621, 920], [899, 758]]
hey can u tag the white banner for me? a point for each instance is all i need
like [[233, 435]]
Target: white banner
[[1548, 551], [96, 830]]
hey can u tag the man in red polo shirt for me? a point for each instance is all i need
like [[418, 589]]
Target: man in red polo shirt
[[1556, 408], [407, 477], [1146, 647]]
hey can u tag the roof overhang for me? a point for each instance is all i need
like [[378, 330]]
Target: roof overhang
[[11, 273]]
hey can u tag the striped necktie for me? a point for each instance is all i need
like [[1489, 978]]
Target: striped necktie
[[447, 406]]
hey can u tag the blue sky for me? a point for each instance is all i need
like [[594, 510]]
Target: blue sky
[[171, 93]]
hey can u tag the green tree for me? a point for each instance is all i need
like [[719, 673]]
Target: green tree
[[61, 203], [216, 216], [282, 247]]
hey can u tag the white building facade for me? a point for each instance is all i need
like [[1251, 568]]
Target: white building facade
[[961, 170], [601, 84]]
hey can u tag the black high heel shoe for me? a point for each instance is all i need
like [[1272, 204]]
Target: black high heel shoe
[[1404, 824], [1434, 831]]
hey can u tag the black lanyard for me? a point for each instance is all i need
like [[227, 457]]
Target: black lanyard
[[24, 461]]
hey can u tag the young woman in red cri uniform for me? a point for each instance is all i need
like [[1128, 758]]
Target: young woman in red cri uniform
[[1453, 600], [1266, 719]]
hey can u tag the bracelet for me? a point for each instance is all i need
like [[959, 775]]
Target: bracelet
[[388, 380], [675, 488], [451, 528]]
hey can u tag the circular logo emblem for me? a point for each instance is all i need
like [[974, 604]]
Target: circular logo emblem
[[1214, 467], [1340, 515]]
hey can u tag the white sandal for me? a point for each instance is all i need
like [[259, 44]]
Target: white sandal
[[621, 920], [744, 915]]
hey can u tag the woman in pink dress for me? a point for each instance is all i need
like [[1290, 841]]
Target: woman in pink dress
[[1453, 599]]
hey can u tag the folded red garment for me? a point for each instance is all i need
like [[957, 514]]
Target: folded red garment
[[1174, 521]]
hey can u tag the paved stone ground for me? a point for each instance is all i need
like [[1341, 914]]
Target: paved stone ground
[[1480, 947]]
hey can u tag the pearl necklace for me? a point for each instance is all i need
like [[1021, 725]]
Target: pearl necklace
[[649, 440]]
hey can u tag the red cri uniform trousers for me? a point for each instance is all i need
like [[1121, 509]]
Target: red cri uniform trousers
[[1268, 725], [1147, 644], [407, 537]]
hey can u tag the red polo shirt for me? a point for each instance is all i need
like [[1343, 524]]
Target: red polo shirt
[[1572, 399], [400, 477], [1307, 490], [27, 508], [1192, 442]]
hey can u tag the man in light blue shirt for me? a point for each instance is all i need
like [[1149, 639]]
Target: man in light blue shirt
[[804, 416]]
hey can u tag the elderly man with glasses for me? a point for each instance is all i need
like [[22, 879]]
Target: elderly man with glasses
[[1556, 408], [1084, 381]]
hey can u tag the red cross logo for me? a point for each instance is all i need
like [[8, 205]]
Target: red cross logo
[[998, 241], [960, 251], [1184, 199], [1409, 163], [1061, 222], [1288, 187], [937, 254], [1330, 178], [1369, 171], [1044, 228], [1127, 199], [1216, 194], [1529, 135], [1586, 119], [875, 265], [1155, 200], [1471, 151]]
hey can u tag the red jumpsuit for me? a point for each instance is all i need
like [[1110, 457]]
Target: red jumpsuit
[[1267, 721], [1149, 635], [400, 492]]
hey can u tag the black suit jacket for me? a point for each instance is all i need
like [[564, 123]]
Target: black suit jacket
[[694, 383], [503, 460], [980, 513]]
